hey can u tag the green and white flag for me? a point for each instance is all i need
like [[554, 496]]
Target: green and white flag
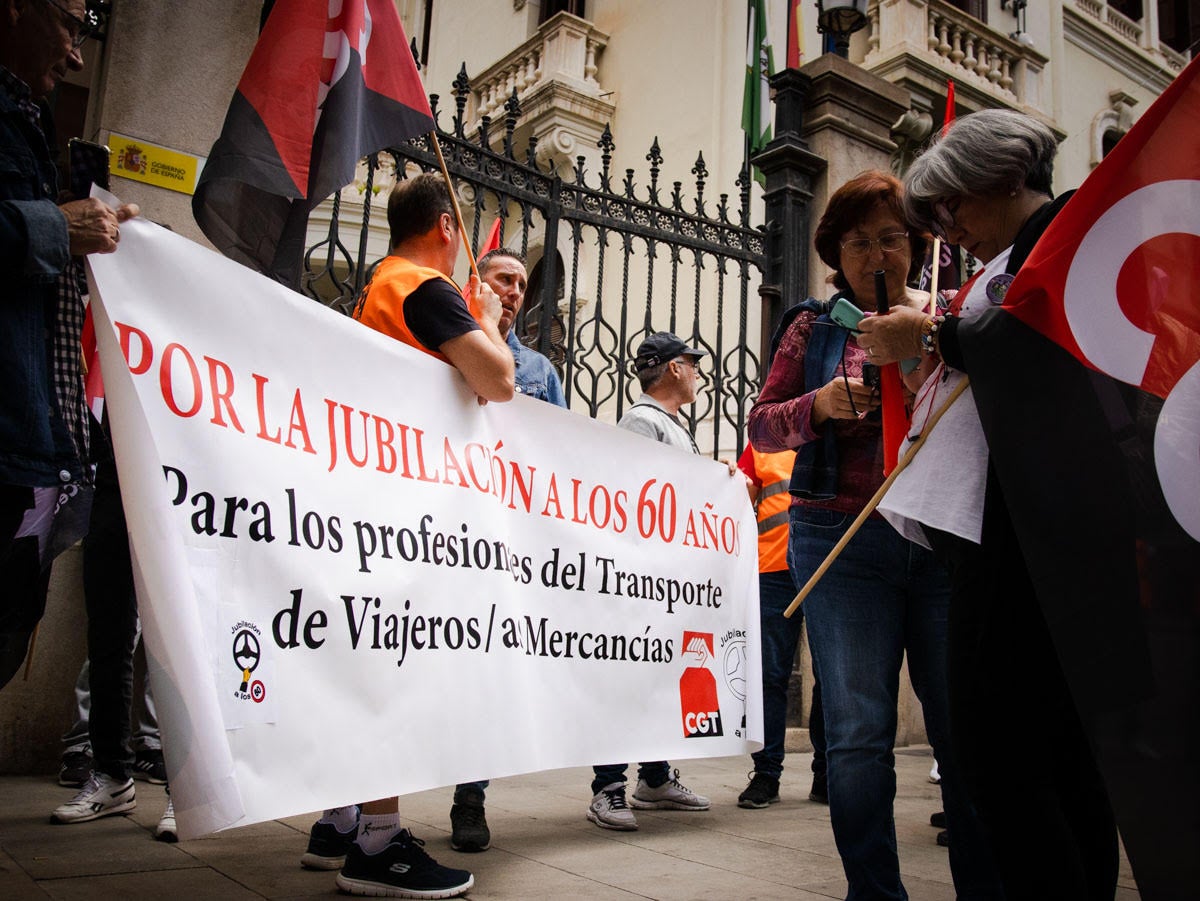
[[760, 65]]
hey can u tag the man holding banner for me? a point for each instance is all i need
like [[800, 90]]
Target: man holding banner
[[411, 298], [44, 422], [666, 369], [503, 271]]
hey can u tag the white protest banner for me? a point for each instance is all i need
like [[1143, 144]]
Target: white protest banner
[[357, 582]]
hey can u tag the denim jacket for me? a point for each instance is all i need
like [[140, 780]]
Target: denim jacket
[[35, 443], [815, 472], [535, 375]]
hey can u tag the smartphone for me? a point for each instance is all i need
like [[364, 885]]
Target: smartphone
[[87, 164], [846, 314]]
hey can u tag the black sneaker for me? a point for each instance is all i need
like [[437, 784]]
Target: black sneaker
[[401, 870], [762, 791], [76, 769], [820, 789], [938, 820], [468, 825], [149, 766], [327, 847]]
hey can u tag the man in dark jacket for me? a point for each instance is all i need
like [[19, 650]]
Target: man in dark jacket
[[43, 421]]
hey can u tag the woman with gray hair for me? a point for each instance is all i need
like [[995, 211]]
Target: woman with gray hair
[[985, 186]]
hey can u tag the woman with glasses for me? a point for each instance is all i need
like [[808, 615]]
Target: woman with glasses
[[884, 596], [985, 186]]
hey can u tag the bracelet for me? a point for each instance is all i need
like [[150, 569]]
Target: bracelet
[[929, 333]]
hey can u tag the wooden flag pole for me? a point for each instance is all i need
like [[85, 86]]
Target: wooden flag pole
[[462, 230], [874, 501], [29, 652], [933, 276]]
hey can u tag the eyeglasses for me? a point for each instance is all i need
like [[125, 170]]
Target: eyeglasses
[[690, 361], [79, 29], [860, 247], [944, 216]]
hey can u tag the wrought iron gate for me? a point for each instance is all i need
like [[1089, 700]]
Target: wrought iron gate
[[608, 263]]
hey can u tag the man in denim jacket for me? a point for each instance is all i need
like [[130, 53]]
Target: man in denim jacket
[[43, 423], [504, 270]]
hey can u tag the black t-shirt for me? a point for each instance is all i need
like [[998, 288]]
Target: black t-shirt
[[436, 313]]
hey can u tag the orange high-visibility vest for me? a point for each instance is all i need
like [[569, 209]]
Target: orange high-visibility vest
[[774, 471], [382, 309]]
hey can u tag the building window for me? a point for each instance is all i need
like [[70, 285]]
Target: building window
[[1179, 23], [1109, 140], [553, 7], [976, 8], [1130, 9]]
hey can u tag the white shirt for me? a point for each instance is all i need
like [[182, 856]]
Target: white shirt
[[943, 486]]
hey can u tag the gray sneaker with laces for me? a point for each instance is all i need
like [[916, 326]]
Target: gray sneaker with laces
[[166, 830], [102, 796], [608, 809], [671, 795]]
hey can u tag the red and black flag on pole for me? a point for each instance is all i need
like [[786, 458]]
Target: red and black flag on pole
[[1087, 382], [949, 271], [329, 82]]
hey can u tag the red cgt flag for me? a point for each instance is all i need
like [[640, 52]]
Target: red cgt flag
[[327, 84], [795, 35], [491, 243], [1087, 383], [493, 238], [1114, 278]]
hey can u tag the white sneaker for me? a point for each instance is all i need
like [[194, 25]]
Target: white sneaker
[[101, 796], [934, 776], [608, 809], [671, 795], [165, 831]]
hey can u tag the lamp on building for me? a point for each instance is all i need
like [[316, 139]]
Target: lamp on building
[[841, 18], [1018, 10]]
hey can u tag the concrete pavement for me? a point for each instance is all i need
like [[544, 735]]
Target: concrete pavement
[[542, 845]]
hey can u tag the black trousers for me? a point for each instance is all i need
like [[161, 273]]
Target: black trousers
[[112, 626], [1020, 743], [23, 583]]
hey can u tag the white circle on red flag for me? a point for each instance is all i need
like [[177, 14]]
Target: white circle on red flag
[[1108, 339], [1177, 451]]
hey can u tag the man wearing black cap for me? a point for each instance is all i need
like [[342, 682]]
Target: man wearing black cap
[[666, 368]]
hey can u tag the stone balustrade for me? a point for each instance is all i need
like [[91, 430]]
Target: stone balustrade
[[1132, 32], [562, 51], [969, 48], [935, 37], [1112, 19]]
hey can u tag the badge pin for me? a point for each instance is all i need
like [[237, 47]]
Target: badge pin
[[997, 287]]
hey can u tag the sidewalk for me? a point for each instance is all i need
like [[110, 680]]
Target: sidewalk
[[542, 845]]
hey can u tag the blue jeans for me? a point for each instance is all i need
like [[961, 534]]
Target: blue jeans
[[882, 597], [780, 635], [654, 774]]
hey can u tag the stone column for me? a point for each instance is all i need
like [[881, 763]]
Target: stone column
[[792, 171], [848, 115]]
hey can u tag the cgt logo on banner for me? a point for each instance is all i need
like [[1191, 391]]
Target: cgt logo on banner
[[698, 689]]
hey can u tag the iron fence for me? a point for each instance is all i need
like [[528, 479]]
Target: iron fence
[[609, 263]]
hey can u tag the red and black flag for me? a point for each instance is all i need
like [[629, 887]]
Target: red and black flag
[[1087, 382], [329, 82], [949, 270]]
